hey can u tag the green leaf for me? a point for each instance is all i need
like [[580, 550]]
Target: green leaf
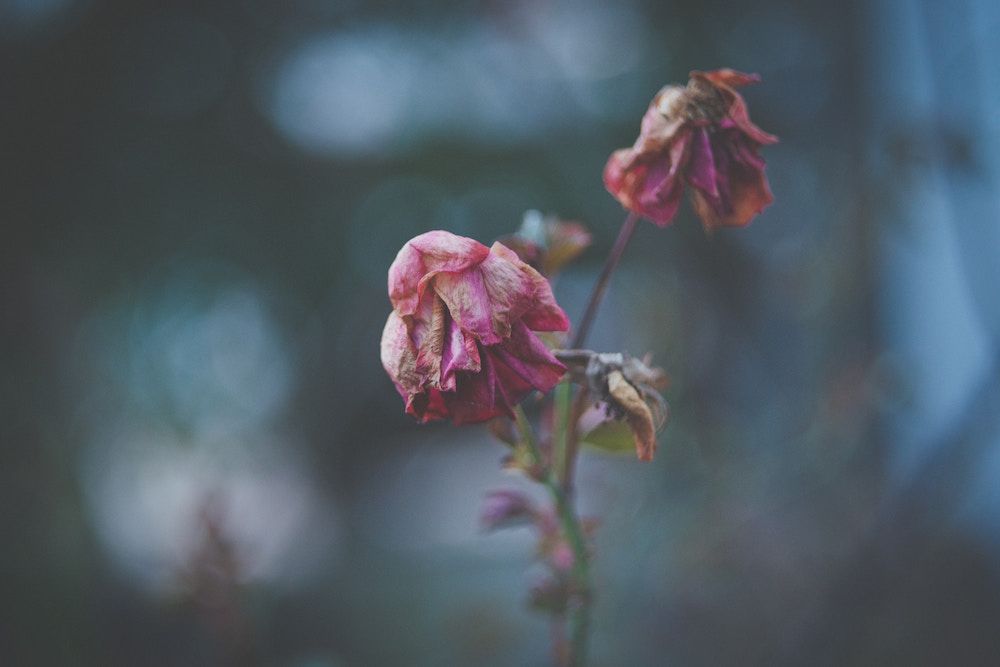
[[611, 436]]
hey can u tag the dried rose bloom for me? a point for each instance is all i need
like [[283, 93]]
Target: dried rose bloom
[[699, 135], [460, 342]]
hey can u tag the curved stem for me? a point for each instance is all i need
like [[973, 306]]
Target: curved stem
[[624, 236]]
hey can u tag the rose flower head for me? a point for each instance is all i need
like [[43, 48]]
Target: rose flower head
[[460, 342], [699, 135]]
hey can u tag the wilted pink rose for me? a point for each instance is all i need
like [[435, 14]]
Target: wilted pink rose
[[699, 135], [460, 341]]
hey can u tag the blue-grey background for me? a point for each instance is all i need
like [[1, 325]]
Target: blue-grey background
[[203, 462]]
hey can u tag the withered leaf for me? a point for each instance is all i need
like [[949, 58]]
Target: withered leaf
[[637, 414]]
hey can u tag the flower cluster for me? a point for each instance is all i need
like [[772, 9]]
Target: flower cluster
[[463, 339]]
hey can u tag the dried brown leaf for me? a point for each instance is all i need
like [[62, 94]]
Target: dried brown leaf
[[637, 414]]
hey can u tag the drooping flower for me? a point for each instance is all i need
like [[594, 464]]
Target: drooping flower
[[701, 136], [460, 340]]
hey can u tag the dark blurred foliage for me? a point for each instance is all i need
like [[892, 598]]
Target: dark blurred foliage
[[204, 463]]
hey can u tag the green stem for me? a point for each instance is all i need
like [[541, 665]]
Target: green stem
[[528, 436], [560, 433], [570, 523], [565, 448], [580, 594]]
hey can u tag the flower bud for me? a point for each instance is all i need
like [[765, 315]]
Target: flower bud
[[505, 508], [548, 243]]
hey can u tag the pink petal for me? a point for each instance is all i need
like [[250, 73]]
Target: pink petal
[[543, 313], [469, 302], [399, 357], [701, 169], [422, 258], [658, 188], [615, 173], [743, 188], [727, 80], [657, 130], [486, 300], [427, 406], [479, 396], [528, 360], [508, 373], [726, 77], [460, 353]]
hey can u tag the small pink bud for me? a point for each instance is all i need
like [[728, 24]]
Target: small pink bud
[[505, 508], [561, 557]]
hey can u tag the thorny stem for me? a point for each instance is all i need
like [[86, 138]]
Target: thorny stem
[[572, 529], [624, 236]]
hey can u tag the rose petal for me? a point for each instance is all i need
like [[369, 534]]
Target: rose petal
[[726, 80], [399, 357], [527, 358], [424, 257], [459, 353], [701, 169], [749, 196], [486, 300]]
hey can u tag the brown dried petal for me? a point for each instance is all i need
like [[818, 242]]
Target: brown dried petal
[[637, 414]]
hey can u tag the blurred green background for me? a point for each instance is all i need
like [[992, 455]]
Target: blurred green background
[[204, 463]]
